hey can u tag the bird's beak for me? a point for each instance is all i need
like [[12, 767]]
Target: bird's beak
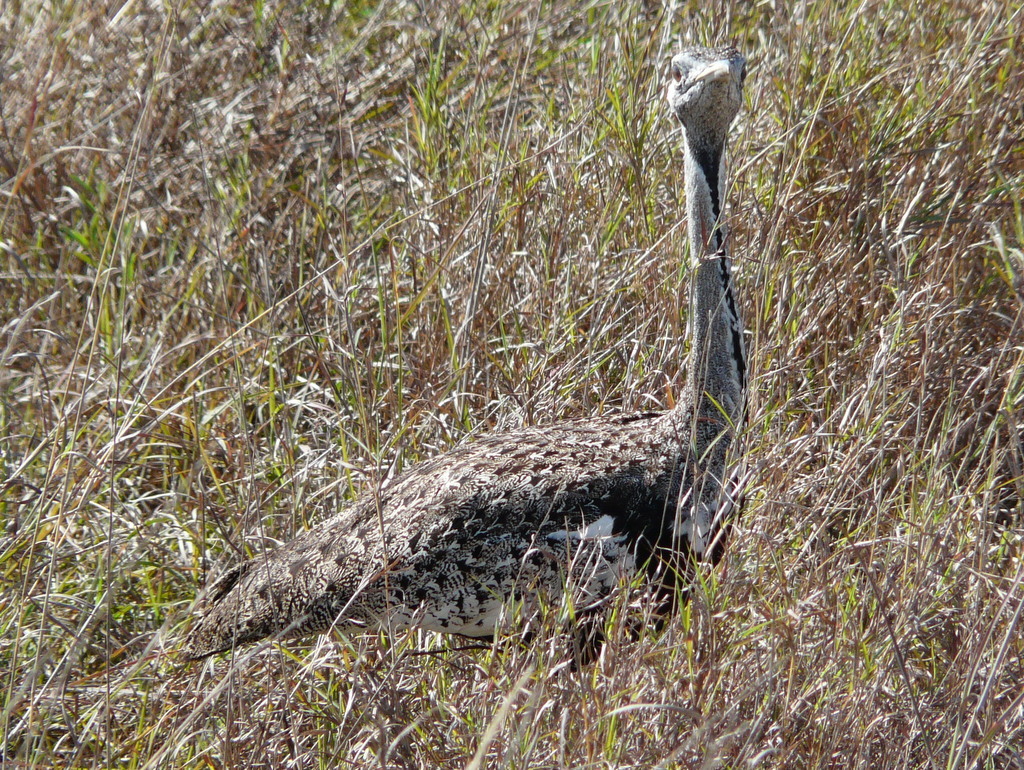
[[717, 71]]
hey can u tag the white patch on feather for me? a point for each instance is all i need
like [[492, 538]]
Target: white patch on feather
[[696, 527], [599, 529]]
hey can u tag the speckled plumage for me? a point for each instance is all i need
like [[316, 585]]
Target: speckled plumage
[[527, 513]]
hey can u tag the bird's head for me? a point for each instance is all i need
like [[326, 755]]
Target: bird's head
[[705, 89]]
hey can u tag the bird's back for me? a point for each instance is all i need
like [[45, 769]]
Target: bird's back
[[445, 545]]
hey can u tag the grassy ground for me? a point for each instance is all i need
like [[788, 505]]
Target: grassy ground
[[256, 257]]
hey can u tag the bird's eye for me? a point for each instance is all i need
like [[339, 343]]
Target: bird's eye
[[677, 73]]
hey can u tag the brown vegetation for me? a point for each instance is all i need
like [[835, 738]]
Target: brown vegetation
[[254, 257]]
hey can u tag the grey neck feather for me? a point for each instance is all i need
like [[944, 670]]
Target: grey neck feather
[[717, 377]]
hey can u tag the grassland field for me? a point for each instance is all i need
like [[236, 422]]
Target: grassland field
[[257, 257]]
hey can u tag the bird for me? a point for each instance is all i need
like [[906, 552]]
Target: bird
[[512, 517]]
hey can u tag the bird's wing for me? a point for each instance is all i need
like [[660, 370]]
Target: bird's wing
[[446, 522]]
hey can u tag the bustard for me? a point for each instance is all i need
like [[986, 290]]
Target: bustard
[[446, 545]]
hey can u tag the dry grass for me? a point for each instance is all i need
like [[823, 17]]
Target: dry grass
[[256, 257]]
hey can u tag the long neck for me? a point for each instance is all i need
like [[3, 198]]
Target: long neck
[[717, 376]]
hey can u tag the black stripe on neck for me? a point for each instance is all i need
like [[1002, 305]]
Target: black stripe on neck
[[736, 328], [710, 160]]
